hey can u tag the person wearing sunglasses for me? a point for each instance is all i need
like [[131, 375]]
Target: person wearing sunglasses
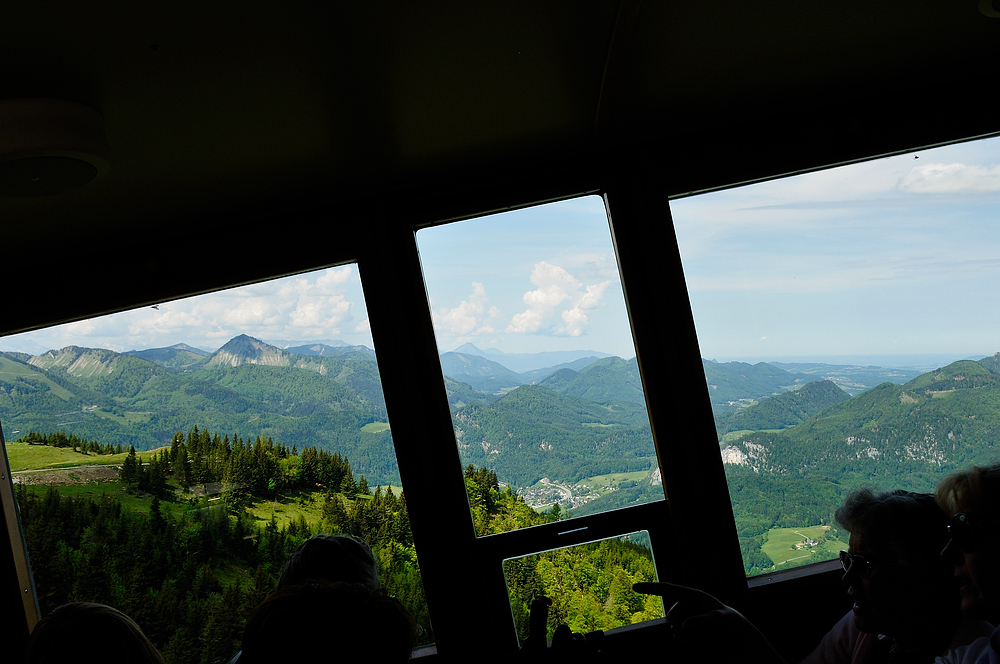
[[972, 497], [905, 608]]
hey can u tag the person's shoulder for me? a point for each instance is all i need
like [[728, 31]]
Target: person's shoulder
[[839, 645], [967, 654], [969, 630]]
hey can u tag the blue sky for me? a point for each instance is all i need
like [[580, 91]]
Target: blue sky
[[892, 258], [538, 279]]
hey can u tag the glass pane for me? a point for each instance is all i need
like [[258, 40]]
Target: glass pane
[[539, 364], [847, 320], [257, 420], [590, 585]]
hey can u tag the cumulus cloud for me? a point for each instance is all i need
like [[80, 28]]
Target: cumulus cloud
[[316, 305], [468, 317], [575, 319], [557, 289], [951, 179]]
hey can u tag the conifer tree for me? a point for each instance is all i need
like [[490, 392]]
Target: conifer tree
[[129, 468]]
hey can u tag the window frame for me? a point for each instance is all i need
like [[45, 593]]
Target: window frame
[[697, 500], [456, 566]]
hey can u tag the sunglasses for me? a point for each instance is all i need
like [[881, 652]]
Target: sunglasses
[[861, 565], [967, 532]]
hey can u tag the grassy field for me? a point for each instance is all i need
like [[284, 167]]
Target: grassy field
[[375, 427], [138, 503], [598, 482], [23, 456], [288, 508], [736, 435], [791, 547]]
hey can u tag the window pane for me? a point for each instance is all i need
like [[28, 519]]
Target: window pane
[[257, 419], [590, 585], [847, 320], [539, 364]]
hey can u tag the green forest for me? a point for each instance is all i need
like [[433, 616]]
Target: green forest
[[793, 443], [190, 565], [892, 436]]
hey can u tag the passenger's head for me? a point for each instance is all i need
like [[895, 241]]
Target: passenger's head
[[895, 573], [85, 632], [972, 497], [320, 621], [331, 558]]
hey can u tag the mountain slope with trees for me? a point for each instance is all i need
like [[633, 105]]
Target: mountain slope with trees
[[783, 410], [893, 436], [534, 432]]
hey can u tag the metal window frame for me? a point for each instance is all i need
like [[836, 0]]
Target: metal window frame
[[455, 563], [457, 567]]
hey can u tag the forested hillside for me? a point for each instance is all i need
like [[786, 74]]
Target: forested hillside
[[330, 397], [893, 436], [534, 432], [310, 400], [794, 443], [783, 410], [190, 567]]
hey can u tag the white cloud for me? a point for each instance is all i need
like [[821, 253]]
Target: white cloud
[[467, 318], [556, 286], [953, 178], [302, 307], [575, 319]]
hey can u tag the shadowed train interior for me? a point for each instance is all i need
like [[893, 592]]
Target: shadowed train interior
[[154, 152]]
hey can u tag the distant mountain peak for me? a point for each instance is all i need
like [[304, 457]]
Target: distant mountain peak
[[288, 344], [244, 349], [469, 349], [190, 349]]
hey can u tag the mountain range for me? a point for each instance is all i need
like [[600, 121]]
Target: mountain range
[[317, 394], [794, 440], [892, 436]]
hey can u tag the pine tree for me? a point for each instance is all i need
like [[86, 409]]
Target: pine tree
[[129, 468]]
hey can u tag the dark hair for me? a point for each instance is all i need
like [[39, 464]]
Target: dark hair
[[331, 558], [87, 632], [975, 489], [318, 620], [909, 525]]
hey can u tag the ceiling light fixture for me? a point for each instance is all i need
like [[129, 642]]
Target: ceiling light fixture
[[48, 146]]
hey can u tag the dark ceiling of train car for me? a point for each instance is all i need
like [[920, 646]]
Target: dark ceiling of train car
[[224, 110]]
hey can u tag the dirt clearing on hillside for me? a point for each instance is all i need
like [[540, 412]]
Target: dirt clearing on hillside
[[62, 476]]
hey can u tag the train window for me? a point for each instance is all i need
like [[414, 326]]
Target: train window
[[847, 320], [589, 585], [539, 364], [168, 459]]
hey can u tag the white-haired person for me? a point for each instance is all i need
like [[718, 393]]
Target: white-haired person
[[972, 498], [906, 607]]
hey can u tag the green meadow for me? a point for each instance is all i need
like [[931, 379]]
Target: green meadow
[[23, 456], [375, 427], [598, 482], [800, 546]]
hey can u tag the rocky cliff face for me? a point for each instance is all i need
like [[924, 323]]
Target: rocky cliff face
[[247, 350], [76, 361]]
